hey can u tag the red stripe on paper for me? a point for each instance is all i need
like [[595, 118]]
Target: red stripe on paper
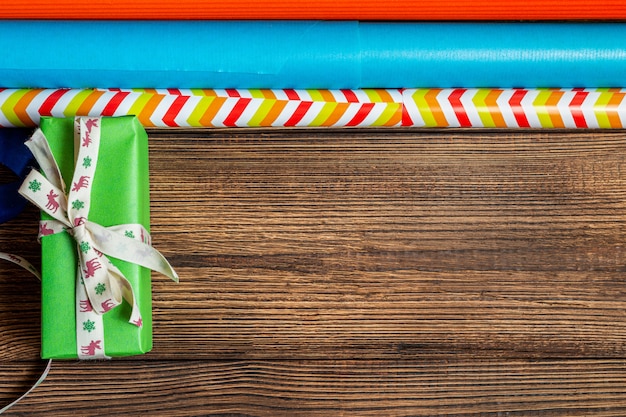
[[576, 108], [232, 92], [350, 96], [457, 107], [174, 111], [46, 107], [299, 113], [291, 94], [516, 106], [114, 103], [358, 118], [406, 117], [236, 112]]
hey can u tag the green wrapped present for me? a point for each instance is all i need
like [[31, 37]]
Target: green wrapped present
[[96, 289]]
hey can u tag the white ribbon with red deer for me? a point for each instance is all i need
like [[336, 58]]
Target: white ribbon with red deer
[[100, 286]]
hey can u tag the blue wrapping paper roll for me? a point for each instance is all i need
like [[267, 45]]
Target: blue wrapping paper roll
[[306, 54]]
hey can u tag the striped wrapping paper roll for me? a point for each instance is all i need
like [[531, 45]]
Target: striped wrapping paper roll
[[208, 108], [504, 108], [515, 108]]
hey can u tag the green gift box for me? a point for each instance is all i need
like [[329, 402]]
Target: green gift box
[[120, 195]]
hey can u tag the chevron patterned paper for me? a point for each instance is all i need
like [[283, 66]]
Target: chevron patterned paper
[[485, 108], [208, 108], [515, 108]]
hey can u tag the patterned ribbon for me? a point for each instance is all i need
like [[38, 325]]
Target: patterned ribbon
[[100, 286], [18, 260]]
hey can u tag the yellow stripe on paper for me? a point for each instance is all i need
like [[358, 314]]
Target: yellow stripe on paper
[[261, 113], [139, 104], [391, 115], [540, 107], [198, 110], [72, 108], [324, 114], [600, 107]]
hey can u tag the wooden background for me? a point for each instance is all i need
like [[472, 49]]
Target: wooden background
[[361, 272]]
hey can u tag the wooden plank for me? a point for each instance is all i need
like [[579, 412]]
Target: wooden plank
[[323, 388], [376, 244], [373, 244], [361, 273]]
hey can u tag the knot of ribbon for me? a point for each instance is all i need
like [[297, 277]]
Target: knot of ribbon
[[100, 286]]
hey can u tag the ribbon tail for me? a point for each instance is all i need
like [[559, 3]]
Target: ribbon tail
[[130, 250], [104, 284], [126, 290], [18, 260], [89, 324], [95, 271], [43, 376]]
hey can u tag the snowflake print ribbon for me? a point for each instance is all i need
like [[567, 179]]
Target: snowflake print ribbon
[[100, 286]]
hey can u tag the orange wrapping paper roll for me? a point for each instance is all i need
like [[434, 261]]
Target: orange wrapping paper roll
[[321, 9]]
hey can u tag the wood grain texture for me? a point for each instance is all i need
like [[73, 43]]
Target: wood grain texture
[[322, 388], [363, 271], [391, 245]]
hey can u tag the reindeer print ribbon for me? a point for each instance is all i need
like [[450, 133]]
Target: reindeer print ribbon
[[100, 286]]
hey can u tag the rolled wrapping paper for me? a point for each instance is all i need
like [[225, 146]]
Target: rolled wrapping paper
[[434, 107], [208, 108], [515, 108], [321, 9], [310, 55]]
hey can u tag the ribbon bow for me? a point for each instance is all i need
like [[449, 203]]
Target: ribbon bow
[[103, 284]]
